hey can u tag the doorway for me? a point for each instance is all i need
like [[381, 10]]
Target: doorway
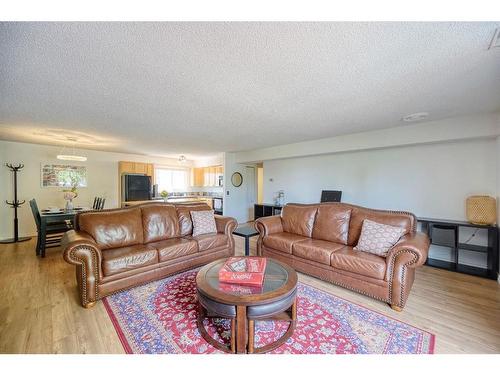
[[251, 196]]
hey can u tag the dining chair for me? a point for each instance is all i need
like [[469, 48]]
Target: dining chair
[[53, 232], [98, 203]]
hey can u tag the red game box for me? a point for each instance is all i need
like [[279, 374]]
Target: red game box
[[239, 289], [243, 270]]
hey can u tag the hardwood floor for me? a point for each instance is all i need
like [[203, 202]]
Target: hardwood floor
[[40, 313]]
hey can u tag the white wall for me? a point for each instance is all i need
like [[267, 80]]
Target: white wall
[[451, 129], [428, 180], [234, 197], [260, 185], [102, 173]]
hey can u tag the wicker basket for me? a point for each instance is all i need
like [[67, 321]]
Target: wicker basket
[[481, 209]]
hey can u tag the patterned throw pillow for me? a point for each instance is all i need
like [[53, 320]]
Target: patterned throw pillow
[[203, 222], [378, 238]]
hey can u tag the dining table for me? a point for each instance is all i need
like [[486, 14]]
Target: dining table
[[48, 217]]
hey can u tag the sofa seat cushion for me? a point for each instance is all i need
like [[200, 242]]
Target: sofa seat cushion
[[128, 258], [282, 241], [359, 262], [210, 241], [174, 248], [317, 250]]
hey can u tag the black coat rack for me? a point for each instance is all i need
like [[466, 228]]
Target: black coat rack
[[15, 204]]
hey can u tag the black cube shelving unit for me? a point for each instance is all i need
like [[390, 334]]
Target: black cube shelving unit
[[262, 210], [452, 227]]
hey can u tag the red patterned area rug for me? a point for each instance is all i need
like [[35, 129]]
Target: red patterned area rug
[[160, 317]]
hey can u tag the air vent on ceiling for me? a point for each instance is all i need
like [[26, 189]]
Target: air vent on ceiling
[[419, 116], [495, 42]]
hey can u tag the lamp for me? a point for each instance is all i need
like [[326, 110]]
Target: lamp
[[73, 157], [182, 159]]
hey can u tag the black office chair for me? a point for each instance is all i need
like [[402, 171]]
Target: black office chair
[[53, 232], [98, 203], [331, 196]]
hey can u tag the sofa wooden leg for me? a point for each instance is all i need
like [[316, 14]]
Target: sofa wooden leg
[[396, 308], [90, 305]]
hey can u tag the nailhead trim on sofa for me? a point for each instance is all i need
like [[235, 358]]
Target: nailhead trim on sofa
[[413, 261], [83, 280]]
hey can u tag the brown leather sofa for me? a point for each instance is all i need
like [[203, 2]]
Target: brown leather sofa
[[117, 249], [318, 240]]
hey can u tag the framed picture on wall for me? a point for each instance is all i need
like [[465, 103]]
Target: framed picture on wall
[[63, 175]]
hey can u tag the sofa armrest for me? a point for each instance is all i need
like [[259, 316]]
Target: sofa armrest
[[417, 244], [410, 252], [268, 225], [225, 224], [81, 250]]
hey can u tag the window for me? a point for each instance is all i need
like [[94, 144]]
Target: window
[[171, 179]]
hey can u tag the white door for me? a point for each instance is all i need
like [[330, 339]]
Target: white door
[[251, 192]]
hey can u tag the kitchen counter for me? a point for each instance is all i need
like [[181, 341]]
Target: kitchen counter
[[180, 199]]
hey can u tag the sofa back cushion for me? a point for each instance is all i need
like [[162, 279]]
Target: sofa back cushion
[[298, 219], [332, 223], [184, 215], [113, 228], [159, 222], [401, 219]]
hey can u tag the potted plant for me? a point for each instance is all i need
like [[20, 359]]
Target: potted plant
[[164, 195]]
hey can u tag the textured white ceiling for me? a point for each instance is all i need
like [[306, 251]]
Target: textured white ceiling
[[201, 88]]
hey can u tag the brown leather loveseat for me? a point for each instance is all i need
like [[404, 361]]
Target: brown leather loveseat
[[318, 240], [116, 249]]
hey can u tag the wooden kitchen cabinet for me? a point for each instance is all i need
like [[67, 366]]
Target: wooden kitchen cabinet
[[126, 167], [197, 177], [134, 167], [141, 168], [206, 176]]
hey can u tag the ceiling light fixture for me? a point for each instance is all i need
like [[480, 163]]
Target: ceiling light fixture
[[419, 116], [182, 159], [73, 157]]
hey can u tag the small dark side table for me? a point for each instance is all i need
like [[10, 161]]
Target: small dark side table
[[246, 232]]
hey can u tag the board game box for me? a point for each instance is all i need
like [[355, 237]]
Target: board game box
[[243, 270]]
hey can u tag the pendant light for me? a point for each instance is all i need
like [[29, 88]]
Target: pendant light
[[64, 155]]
